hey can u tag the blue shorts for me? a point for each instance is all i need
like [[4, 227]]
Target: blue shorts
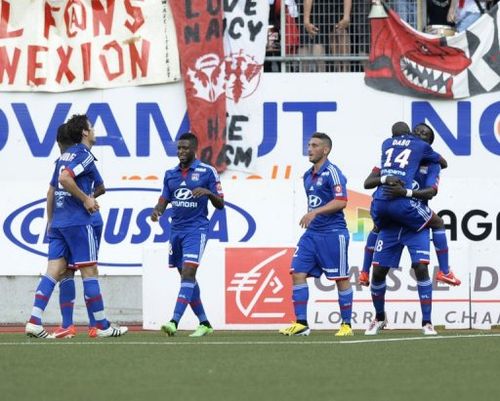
[[77, 244], [322, 253], [390, 244], [186, 248], [407, 212], [97, 234]]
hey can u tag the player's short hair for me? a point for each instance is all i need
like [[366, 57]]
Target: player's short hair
[[189, 136], [76, 125], [400, 128], [428, 128], [322, 136], [63, 138]]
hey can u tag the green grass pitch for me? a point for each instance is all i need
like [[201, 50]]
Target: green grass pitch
[[396, 365]]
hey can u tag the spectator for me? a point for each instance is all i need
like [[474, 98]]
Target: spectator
[[437, 12], [326, 30], [465, 12]]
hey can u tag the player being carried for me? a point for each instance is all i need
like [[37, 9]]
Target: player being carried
[[425, 187]]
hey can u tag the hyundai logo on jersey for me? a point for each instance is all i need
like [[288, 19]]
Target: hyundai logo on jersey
[[127, 226]]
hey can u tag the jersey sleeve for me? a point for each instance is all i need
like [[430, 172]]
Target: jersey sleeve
[[165, 193], [429, 155], [432, 179], [98, 181], [339, 183], [81, 164], [214, 184], [54, 181]]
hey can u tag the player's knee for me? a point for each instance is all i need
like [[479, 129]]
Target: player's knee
[[436, 221], [188, 273], [299, 278], [379, 274], [421, 271]]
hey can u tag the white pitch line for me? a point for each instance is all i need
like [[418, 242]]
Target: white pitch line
[[291, 342]]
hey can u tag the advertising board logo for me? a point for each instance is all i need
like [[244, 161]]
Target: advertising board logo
[[127, 226], [258, 285], [183, 194]]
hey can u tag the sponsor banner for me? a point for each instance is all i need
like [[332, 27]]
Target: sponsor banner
[[199, 25], [66, 45], [245, 41], [257, 212], [136, 128], [405, 61], [263, 283], [257, 287]]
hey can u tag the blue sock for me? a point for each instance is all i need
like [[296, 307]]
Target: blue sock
[[197, 305], [300, 296], [345, 304], [67, 300], [184, 298], [378, 298], [425, 295], [93, 299], [42, 297], [92, 322], [369, 249], [441, 246]]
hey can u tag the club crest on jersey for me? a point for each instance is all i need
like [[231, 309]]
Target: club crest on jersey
[[424, 169], [195, 177], [319, 182]]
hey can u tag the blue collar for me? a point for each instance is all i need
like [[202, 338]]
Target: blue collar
[[192, 166]]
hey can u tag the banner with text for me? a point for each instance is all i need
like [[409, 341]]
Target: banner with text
[[65, 45], [245, 41], [199, 25]]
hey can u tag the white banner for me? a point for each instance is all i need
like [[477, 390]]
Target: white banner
[[65, 45], [249, 287], [245, 41]]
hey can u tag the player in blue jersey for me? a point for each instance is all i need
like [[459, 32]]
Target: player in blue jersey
[[395, 234], [71, 236], [67, 283], [401, 158], [188, 187], [322, 249], [425, 187]]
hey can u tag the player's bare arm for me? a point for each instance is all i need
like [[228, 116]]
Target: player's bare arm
[[374, 180], [69, 184], [333, 206], [216, 200], [159, 209], [398, 191], [100, 190]]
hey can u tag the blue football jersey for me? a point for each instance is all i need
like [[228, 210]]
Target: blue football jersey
[[322, 187], [96, 217], [189, 213], [402, 157], [427, 176], [69, 211]]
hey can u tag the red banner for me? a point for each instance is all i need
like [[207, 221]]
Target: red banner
[[199, 30]]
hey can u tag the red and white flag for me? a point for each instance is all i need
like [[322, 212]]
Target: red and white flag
[[199, 26]]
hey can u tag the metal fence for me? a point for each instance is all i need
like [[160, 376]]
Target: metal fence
[[294, 45]]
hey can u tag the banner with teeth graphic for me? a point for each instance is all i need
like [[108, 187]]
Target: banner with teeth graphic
[[405, 61]]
